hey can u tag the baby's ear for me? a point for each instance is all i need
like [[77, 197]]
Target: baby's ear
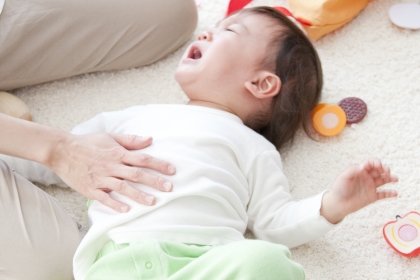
[[264, 85]]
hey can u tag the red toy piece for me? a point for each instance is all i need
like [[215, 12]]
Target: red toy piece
[[235, 5], [403, 234]]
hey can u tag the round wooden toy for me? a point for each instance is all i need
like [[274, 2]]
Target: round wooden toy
[[328, 119], [13, 106], [355, 109], [403, 234]]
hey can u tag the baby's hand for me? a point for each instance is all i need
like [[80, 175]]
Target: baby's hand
[[355, 188]]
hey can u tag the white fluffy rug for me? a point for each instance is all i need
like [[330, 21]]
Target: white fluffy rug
[[369, 58]]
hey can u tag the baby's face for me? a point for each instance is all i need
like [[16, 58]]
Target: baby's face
[[223, 58]]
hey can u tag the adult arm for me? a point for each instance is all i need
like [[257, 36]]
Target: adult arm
[[91, 164]]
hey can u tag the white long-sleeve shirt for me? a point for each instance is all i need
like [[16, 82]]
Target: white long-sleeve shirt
[[229, 178]]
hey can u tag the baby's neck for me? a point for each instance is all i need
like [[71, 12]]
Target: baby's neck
[[211, 105], [221, 107]]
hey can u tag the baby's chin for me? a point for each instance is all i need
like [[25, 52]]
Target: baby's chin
[[178, 75], [182, 77]]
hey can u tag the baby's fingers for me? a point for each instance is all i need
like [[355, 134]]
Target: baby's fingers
[[373, 166], [387, 194], [386, 177], [393, 178]]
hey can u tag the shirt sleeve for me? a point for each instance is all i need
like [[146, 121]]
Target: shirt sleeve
[[273, 213]]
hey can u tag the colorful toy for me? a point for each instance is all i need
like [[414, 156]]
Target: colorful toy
[[405, 15], [330, 119], [355, 109], [403, 234], [325, 16], [235, 5], [318, 17]]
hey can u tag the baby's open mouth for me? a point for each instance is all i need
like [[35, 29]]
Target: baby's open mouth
[[194, 53]]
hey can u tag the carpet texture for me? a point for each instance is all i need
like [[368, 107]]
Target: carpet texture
[[369, 58]]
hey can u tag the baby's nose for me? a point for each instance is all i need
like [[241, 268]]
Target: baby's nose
[[205, 36]]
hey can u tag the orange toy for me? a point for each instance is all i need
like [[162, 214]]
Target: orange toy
[[328, 119], [318, 17], [403, 234], [325, 16]]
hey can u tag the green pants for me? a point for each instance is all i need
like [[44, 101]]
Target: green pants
[[154, 259]]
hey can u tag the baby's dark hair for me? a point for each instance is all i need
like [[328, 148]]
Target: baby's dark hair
[[298, 66]]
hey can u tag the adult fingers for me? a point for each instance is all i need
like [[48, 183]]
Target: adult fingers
[[131, 142], [138, 159], [135, 158], [104, 198], [122, 188], [139, 175]]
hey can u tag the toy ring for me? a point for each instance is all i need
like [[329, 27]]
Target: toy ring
[[328, 119]]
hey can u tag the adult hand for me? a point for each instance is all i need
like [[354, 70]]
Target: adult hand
[[96, 164], [91, 164]]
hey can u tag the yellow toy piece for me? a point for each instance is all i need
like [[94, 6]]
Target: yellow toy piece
[[325, 16], [13, 106], [328, 119]]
